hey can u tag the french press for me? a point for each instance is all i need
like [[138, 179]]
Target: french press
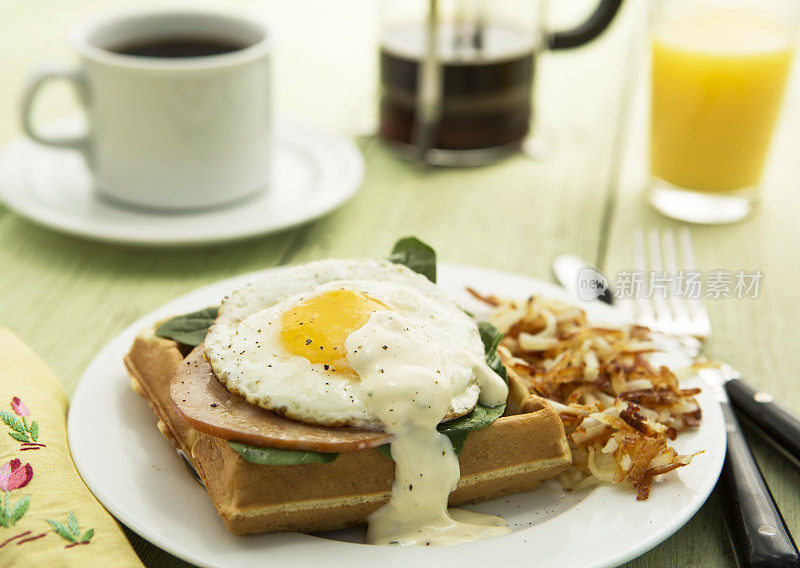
[[456, 76]]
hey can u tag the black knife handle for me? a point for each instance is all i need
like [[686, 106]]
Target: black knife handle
[[770, 416], [757, 530]]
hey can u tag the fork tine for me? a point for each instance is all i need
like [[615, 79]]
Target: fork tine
[[699, 313], [659, 300], [673, 314], [643, 308], [679, 306]]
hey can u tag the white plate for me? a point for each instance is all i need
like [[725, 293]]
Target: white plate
[[139, 477], [314, 173]]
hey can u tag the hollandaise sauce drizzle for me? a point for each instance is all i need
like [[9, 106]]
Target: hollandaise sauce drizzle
[[403, 376]]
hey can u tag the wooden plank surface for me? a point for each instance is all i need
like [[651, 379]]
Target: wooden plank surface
[[67, 297]]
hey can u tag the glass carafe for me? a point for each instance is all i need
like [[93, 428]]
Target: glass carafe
[[456, 76]]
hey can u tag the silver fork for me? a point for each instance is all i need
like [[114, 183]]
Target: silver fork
[[669, 309], [758, 533]]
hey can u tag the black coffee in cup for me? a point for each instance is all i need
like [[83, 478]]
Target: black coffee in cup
[[178, 47], [178, 105]]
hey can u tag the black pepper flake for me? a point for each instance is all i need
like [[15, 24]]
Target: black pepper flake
[[386, 347], [214, 405], [308, 342], [326, 367], [410, 487]]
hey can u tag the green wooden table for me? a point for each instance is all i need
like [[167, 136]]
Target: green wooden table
[[67, 297]]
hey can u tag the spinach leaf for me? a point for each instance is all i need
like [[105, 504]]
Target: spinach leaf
[[491, 339], [458, 429], [416, 255], [385, 450], [189, 329], [490, 336], [479, 418], [272, 456], [495, 365], [457, 438]]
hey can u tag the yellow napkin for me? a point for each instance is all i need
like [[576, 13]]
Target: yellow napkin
[[48, 517]]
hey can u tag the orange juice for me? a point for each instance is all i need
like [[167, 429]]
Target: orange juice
[[717, 86]]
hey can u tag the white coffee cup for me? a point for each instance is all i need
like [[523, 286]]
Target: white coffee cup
[[169, 132]]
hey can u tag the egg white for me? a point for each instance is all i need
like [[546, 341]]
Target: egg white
[[246, 353]]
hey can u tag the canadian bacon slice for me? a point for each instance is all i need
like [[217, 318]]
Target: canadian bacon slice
[[205, 405]]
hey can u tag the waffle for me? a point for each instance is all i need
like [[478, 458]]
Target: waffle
[[514, 454]]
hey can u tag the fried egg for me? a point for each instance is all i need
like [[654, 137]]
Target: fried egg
[[281, 343]]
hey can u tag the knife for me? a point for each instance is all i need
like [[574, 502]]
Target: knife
[[772, 418], [584, 281], [758, 534]]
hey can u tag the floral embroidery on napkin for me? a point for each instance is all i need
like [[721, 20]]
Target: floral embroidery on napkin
[[13, 475], [27, 434], [71, 531]]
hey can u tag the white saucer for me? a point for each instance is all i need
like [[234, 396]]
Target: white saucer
[[314, 173]]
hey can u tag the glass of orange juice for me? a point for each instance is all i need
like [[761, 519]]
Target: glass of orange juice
[[719, 71]]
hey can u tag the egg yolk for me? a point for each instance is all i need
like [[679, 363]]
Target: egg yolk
[[317, 327]]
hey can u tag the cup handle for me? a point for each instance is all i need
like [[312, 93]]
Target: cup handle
[[592, 27], [36, 81]]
